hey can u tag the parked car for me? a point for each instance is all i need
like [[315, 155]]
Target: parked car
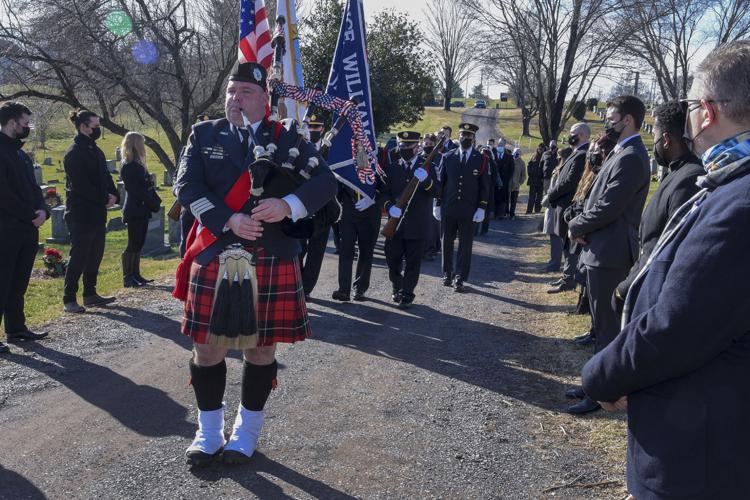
[[480, 104], [457, 104]]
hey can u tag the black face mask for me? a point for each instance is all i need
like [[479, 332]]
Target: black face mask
[[573, 140], [407, 154], [428, 149], [611, 132], [659, 153], [96, 133], [25, 131], [466, 143], [315, 136]]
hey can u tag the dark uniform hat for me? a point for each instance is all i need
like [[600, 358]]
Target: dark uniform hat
[[408, 136], [251, 73], [315, 121], [468, 128]]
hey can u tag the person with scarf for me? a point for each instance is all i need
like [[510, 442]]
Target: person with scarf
[[681, 361]]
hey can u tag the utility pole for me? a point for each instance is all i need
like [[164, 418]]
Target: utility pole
[[635, 87]]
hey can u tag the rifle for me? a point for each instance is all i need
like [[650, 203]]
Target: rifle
[[403, 201]]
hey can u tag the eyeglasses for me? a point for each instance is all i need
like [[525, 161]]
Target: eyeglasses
[[690, 105]]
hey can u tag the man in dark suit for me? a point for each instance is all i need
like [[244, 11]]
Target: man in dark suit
[[560, 197], [681, 363], [449, 144], [505, 166], [549, 163], [494, 166], [680, 184], [608, 226], [22, 212], [405, 163], [465, 182]]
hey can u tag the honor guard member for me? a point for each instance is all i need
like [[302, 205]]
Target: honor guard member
[[465, 178], [429, 143], [314, 248], [231, 223], [410, 239]]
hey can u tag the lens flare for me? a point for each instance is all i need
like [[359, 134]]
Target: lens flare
[[145, 52], [119, 23]]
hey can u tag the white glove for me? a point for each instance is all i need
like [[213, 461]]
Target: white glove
[[420, 174], [479, 215], [436, 212], [364, 204], [394, 212]]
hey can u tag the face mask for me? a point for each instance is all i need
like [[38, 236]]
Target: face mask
[[690, 140], [96, 133], [428, 149], [658, 154], [612, 133], [466, 143], [573, 140], [315, 136], [407, 154]]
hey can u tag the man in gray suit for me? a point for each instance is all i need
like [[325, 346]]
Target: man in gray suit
[[560, 196], [608, 226]]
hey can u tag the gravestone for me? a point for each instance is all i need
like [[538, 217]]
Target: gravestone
[[155, 236], [175, 231], [60, 235], [168, 179], [112, 166], [152, 176], [118, 154], [38, 174], [48, 161], [115, 224]]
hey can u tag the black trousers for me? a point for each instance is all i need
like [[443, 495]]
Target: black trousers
[[502, 201], [464, 229], [137, 229], [17, 255], [313, 251], [513, 202], [363, 232], [536, 193], [396, 250], [601, 285], [570, 267], [86, 252]]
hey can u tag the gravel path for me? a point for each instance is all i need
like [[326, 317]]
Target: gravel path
[[446, 400]]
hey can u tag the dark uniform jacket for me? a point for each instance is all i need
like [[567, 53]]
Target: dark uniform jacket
[[212, 163], [549, 162], [560, 194], [88, 183], [140, 199], [20, 197], [612, 213], [449, 146], [465, 187], [417, 217], [684, 359], [677, 188]]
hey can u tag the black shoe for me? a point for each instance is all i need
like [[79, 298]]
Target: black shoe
[[585, 339], [576, 393], [232, 457], [341, 296], [562, 287], [97, 300], [405, 303], [74, 307], [200, 459], [4, 348], [25, 336], [396, 297], [131, 282], [459, 286], [447, 280], [556, 282], [359, 296], [586, 405]]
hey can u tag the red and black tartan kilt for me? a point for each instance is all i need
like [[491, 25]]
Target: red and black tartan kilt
[[282, 313]]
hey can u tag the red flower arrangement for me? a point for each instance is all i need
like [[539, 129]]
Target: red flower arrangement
[[54, 263]]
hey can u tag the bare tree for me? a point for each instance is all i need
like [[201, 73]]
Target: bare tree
[[44, 114], [451, 36], [664, 37], [169, 64], [730, 20], [564, 45]]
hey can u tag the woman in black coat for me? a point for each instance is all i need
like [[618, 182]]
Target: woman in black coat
[[141, 201]]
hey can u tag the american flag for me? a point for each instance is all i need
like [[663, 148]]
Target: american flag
[[255, 36]]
